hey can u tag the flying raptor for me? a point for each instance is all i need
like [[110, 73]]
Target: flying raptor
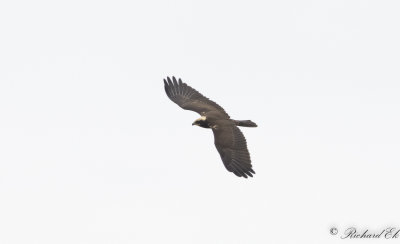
[[228, 139]]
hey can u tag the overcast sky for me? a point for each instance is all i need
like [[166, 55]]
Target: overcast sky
[[93, 151]]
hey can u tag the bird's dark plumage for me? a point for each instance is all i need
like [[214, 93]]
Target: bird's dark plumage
[[190, 99], [229, 140]]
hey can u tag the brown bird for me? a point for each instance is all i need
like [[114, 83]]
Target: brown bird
[[228, 139]]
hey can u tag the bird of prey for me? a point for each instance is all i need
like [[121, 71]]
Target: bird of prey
[[228, 139]]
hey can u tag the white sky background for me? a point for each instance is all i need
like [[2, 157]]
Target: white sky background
[[93, 151]]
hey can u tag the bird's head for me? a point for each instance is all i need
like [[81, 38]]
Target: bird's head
[[201, 122]]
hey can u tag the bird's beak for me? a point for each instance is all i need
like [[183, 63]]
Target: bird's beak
[[193, 123]]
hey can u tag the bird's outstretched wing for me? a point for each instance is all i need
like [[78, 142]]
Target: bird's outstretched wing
[[190, 99], [232, 147]]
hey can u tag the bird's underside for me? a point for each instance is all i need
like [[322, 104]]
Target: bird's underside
[[229, 140]]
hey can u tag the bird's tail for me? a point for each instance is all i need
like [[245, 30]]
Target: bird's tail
[[245, 123]]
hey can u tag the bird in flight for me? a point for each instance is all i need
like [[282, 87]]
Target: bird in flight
[[228, 139]]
